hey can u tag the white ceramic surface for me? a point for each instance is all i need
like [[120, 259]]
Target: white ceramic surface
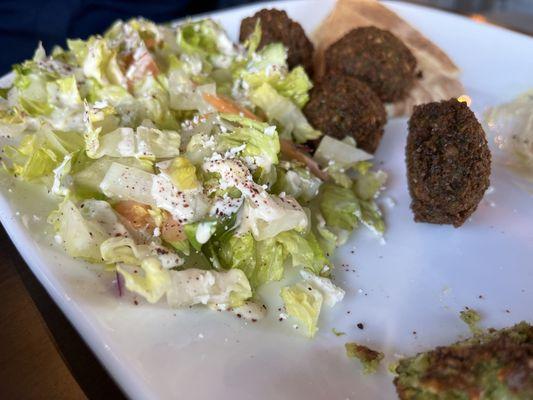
[[418, 281]]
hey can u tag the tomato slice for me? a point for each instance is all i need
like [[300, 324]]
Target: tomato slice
[[172, 230]]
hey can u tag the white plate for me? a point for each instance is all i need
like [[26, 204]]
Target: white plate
[[418, 281]]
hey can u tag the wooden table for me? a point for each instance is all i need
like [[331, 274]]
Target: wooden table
[[40, 358]]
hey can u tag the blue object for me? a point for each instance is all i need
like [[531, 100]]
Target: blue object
[[24, 23]]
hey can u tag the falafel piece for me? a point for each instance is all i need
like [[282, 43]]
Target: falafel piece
[[376, 57], [276, 26], [494, 365], [370, 359], [344, 106], [448, 162]]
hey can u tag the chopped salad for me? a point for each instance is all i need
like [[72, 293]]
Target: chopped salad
[[177, 159]]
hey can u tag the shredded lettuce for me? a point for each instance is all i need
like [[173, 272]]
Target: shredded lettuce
[[123, 249], [339, 206], [281, 110], [206, 39], [12, 123], [152, 284], [143, 142], [303, 300], [128, 183], [87, 173], [263, 214], [260, 140], [199, 233], [182, 173], [331, 150], [296, 181], [261, 261], [264, 261], [304, 304], [368, 184], [38, 154], [221, 290], [82, 229], [331, 293], [161, 144], [342, 209], [270, 66]]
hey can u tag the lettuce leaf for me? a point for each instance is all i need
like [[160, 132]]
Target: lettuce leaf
[[154, 282], [263, 214], [123, 249], [12, 122], [38, 154], [304, 251], [128, 183], [30, 83], [331, 150], [252, 41], [368, 185], [271, 216], [84, 228], [295, 86], [329, 238], [259, 139], [281, 110], [199, 233], [339, 206], [143, 142], [207, 40], [303, 300], [342, 208], [269, 66], [221, 290], [296, 181], [87, 173], [304, 304], [370, 215], [331, 293], [30, 160], [182, 173], [263, 261]]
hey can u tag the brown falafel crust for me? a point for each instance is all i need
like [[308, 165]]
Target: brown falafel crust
[[492, 365], [376, 57], [276, 26], [448, 162], [341, 106]]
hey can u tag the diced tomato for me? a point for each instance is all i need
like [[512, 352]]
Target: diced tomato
[[172, 230], [140, 67], [136, 215], [150, 43]]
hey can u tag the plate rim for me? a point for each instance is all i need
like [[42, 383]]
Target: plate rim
[[128, 381]]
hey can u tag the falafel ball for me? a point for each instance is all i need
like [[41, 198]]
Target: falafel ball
[[491, 365], [448, 162], [276, 26], [344, 106], [376, 57]]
